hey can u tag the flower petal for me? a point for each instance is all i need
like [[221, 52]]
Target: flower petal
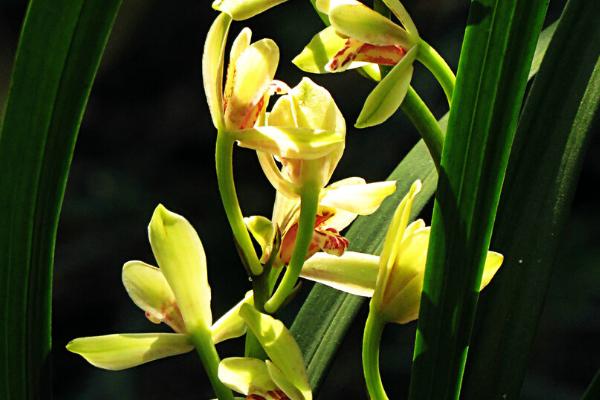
[[254, 71], [393, 239], [315, 107], [243, 9], [150, 291], [358, 21], [231, 325], [284, 384], [212, 67], [404, 306], [358, 198], [120, 351], [354, 273], [246, 375], [493, 262], [293, 143], [321, 50], [389, 94], [180, 255], [263, 231], [400, 12], [279, 345], [239, 45]]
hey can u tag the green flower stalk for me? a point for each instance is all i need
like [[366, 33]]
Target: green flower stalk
[[177, 294]]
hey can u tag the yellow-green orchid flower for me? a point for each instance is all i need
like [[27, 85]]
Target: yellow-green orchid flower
[[281, 377], [243, 9], [361, 37], [177, 294], [311, 108], [339, 204], [394, 279]]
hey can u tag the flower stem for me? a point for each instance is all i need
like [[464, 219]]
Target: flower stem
[[432, 60], [309, 201], [422, 118], [210, 361], [224, 163], [370, 356]]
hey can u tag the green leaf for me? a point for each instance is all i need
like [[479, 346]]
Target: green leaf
[[327, 313], [492, 74], [542, 175], [593, 390], [57, 58]]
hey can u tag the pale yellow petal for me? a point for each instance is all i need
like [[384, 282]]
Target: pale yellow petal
[[321, 50], [279, 345], [150, 291], [400, 12], [284, 384], [361, 199], [263, 231], [239, 45], [293, 143], [493, 262], [243, 9], [121, 351], [231, 325], [180, 255], [212, 67], [246, 375], [389, 94], [362, 23], [354, 273]]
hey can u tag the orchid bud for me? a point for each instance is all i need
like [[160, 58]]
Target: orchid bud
[[243, 9]]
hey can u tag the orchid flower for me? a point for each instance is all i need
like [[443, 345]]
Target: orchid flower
[[281, 377], [240, 10], [339, 204], [177, 294], [361, 37], [394, 279]]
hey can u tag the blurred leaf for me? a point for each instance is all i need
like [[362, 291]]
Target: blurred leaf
[[57, 58], [327, 313], [593, 391], [540, 183], [492, 74]]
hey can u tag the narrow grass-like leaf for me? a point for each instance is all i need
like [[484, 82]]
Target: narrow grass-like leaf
[[541, 179], [495, 58], [57, 58], [327, 313]]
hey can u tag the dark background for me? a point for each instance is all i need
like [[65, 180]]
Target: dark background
[[147, 138]]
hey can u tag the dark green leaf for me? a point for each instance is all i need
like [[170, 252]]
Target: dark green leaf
[[492, 74], [58, 54], [542, 175], [320, 337], [593, 391]]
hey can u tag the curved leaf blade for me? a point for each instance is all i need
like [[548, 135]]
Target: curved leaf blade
[[60, 47]]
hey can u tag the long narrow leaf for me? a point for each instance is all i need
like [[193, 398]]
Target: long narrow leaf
[[320, 337], [492, 74], [543, 171], [57, 58], [593, 390]]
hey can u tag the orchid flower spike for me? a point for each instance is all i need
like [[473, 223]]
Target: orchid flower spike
[[394, 280], [339, 204], [361, 37], [281, 377], [240, 10], [176, 294]]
